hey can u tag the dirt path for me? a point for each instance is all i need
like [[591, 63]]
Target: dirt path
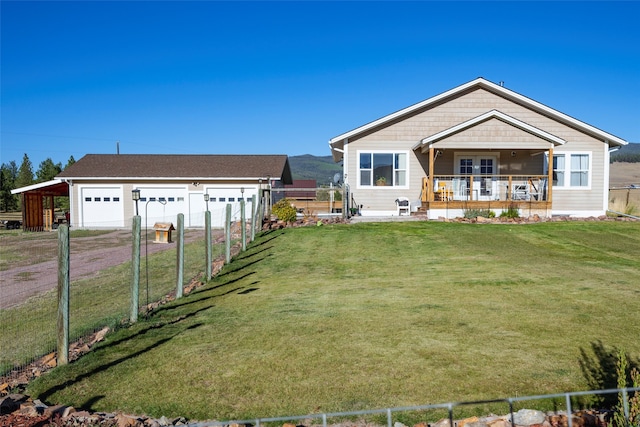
[[89, 255]]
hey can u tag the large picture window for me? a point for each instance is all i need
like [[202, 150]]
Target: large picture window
[[571, 170], [383, 169]]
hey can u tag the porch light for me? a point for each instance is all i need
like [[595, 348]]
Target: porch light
[[135, 196]]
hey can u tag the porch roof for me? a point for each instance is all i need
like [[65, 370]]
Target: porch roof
[[537, 138]]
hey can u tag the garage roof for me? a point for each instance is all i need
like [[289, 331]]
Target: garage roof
[[180, 166]]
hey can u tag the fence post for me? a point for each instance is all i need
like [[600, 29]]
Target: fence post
[[63, 295], [207, 230], [180, 257], [243, 224], [254, 211], [227, 235], [135, 268]]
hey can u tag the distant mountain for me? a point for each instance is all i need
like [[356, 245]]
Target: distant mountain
[[628, 153], [320, 168]]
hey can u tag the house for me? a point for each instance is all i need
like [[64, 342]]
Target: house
[[477, 146], [100, 188]]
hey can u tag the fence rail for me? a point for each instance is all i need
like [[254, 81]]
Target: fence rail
[[449, 407]]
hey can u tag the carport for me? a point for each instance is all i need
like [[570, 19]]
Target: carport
[[35, 217]]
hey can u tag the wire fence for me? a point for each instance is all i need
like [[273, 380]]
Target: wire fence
[[563, 404], [100, 275]]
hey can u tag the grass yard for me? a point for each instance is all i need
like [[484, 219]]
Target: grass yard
[[372, 315], [100, 300]]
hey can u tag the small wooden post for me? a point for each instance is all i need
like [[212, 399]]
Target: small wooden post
[[243, 224], [63, 295], [135, 268], [180, 256], [227, 235], [207, 230]]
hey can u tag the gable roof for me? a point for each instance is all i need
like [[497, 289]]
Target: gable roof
[[179, 166], [493, 114], [337, 143]]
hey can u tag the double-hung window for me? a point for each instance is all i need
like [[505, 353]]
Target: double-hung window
[[383, 169], [571, 170]]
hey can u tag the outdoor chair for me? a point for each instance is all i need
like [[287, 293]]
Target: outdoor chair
[[403, 205]]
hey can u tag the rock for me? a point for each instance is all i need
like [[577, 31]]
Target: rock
[[442, 423], [11, 403], [398, 424], [500, 422], [127, 421], [52, 411], [528, 417], [462, 423]]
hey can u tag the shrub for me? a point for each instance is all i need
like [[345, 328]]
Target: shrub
[[511, 212], [284, 211], [474, 213], [622, 371]]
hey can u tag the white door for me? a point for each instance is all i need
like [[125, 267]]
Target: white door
[[101, 207], [484, 169]]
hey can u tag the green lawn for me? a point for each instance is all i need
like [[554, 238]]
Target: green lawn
[[371, 315]]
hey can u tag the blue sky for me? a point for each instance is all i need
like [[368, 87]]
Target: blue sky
[[284, 77]]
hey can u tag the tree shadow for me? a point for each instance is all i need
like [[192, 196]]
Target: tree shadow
[[600, 370]]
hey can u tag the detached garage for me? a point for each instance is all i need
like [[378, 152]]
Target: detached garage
[[100, 186]]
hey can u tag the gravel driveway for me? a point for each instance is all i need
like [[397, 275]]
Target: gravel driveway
[[34, 271]]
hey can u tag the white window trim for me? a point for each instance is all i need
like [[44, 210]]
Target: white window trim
[[567, 172], [387, 187]]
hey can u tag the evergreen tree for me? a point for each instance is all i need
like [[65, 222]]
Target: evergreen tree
[[25, 173], [8, 175], [70, 162], [48, 170]]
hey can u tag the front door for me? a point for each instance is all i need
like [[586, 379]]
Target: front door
[[484, 168]]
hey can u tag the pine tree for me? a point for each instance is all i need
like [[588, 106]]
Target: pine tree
[[8, 174], [25, 173], [48, 170], [70, 162]]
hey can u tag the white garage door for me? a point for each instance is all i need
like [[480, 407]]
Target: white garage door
[[220, 197], [101, 207], [161, 204]]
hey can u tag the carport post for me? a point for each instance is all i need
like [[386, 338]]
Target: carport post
[[207, 231], [63, 295], [135, 268], [227, 234], [180, 256], [243, 224]]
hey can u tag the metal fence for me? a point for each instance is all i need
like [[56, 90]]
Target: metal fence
[[100, 275], [565, 399]]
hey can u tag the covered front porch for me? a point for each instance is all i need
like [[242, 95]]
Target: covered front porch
[[527, 193], [493, 162]]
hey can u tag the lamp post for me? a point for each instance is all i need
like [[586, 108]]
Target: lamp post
[[135, 196], [206, 199]]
